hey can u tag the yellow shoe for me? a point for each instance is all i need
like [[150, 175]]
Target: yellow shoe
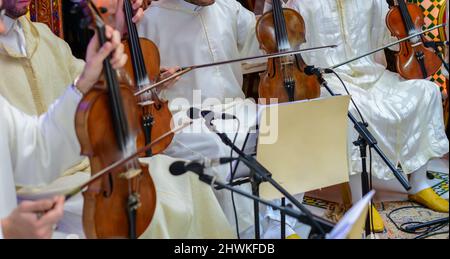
[[293, 236], [378, 225], [430, 199]]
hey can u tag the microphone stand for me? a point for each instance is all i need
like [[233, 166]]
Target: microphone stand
[[301, 217], [365, 139], [254, 181], [264, 175]]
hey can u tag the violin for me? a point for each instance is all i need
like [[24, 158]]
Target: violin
[[156, 118], [278, 31], [122, 202], [414, 60]]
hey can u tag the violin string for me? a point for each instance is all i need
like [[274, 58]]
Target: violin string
[[283, 42], [140, 69], [276, 27], [278, 36], [406, 17], [133, 41], [278, 32], [137, 57], [118, 114]]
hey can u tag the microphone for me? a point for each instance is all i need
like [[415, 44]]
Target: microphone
[[311, 70], [180, 167], [197, 166], [195, 113]]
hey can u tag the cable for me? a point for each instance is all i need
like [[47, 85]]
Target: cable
[[351, 98], [421, 234], [233, 170], [433, 234], [231, 180], [217, 173], [233, 174]]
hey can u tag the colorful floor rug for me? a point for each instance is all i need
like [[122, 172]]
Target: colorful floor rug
[[394, 214]]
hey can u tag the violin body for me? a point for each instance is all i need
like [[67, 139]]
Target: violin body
[[408, 58], [284, 78], [106, 201], [156, 118], [120, 203]]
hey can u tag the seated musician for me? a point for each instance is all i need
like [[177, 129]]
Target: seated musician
[[199, 32], [39, 62], [30, 148], [191, 32], [405, 116], [39, 65], [46, 65]]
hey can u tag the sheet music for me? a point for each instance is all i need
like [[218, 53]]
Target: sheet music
[[352, 224], [304, 144]]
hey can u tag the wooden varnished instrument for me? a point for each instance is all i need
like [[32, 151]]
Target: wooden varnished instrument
[[121, 204], [414, 60], [144, 66], [281, 30]]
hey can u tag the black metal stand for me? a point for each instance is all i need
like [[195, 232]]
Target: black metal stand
[[301, 217], [365, 139], [255, 182], [362, 143], [283, 220], [318, 224]]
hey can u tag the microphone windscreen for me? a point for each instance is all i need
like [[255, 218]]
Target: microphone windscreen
[[193, 113], [177, 168], [195, 167]]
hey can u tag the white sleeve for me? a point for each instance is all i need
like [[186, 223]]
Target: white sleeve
[[382, 32], [246, 36], [42, 147]]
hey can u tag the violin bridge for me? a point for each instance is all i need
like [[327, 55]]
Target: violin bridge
[[416, 44], [287, 63], [146, 103], [131, 174]]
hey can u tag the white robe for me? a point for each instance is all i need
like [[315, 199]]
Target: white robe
[[30, 147], [31, 156], [404, 116], [186, 35]]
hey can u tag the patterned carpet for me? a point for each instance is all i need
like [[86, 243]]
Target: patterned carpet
[[408, 212], [400, 212]]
